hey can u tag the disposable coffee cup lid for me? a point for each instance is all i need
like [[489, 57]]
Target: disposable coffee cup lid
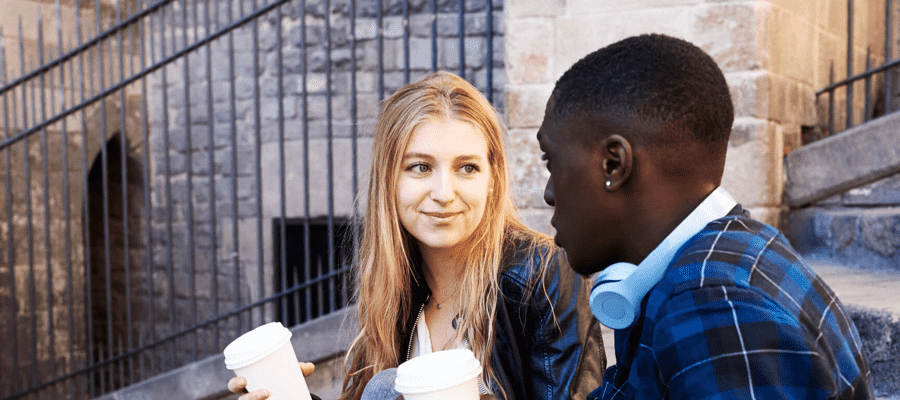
[[436, 371], [256, 345]]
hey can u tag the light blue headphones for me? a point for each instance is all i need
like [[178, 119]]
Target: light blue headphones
[[620, 288]]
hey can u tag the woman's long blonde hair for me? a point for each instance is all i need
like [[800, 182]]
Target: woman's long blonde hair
[[386, 270]]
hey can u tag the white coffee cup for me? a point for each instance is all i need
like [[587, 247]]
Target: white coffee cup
[[265, 357], [446, 375]]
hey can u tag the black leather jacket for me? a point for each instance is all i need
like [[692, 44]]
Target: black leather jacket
[[537, 356]]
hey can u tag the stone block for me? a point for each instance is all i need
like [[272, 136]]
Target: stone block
[[528, 173], [832, 16], [729, 33], [525, 105], [788, 38], [529, 48], [517, 9], [881, 233], [837, 230], [366, 28], [475, 49], [673, 21], [586, 7], [753, 166], [749, 93], [884, 192], [829, 48]]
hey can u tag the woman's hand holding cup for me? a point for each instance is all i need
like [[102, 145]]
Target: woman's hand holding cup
[[239, 385]]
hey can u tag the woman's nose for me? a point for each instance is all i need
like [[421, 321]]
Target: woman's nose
[[443, 187]]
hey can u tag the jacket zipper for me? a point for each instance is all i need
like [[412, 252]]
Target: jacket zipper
[[415, 327]]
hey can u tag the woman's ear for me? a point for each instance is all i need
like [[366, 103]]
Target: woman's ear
[[617, 161]]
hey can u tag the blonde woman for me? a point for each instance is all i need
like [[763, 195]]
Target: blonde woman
[[446, 263]]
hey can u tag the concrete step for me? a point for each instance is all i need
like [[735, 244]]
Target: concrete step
[[857, 237], [855, 157]]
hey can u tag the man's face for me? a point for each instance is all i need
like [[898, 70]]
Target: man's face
[[586, 222]]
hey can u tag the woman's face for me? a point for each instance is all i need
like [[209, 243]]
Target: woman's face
[[443, 183]]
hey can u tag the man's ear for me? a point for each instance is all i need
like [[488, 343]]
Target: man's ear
[[617, 159]]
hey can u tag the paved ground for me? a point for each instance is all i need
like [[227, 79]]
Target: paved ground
[[875, 289]]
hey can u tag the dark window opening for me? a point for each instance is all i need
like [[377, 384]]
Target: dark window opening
[[311, 287]]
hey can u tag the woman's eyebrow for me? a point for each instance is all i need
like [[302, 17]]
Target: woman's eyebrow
[[469, 157], [418, 155]]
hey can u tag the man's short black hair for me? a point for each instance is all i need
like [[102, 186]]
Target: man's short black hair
[[654, 81]]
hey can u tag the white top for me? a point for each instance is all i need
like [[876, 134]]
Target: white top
[[421, 344]]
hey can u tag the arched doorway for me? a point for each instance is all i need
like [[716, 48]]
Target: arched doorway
[[115, 210]]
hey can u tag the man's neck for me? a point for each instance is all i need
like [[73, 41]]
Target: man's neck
[[656, 213]]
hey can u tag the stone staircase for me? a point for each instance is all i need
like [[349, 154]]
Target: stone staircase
[[844, 193]]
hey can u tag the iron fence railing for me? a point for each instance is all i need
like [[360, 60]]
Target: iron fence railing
[[179, 172], [887, 69]]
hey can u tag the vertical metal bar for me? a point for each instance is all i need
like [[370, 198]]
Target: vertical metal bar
[[489, 58], [123, 158], [406, 41], [305, 106], [28, 223], [353, 140], [189, 172], [46, 189], [330, 154], [888, 47], [868, 110], [282, 245], [831, 101], [434, 47], [462, 38], [234, 172], [258, 158], [849, 64], [66, 200], [212, 179], [379, 33], [10, 249], [145, 134], [85, 201], [170, 271]]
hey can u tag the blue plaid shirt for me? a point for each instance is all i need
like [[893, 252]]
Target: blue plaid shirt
[[738, 315]]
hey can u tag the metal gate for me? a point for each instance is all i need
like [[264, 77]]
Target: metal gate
[[176, 173]]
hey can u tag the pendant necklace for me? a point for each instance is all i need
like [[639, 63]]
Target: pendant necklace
[[454, 322]]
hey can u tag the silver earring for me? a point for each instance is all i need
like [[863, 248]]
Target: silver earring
[[608, 184]]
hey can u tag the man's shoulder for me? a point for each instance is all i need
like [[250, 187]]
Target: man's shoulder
[[729, 252]]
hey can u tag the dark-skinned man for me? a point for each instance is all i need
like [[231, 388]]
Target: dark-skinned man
[[706, 302]]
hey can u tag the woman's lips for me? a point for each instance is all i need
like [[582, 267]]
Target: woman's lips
[[442, 216]]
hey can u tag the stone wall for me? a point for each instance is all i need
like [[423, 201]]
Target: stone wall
[[775, 55]]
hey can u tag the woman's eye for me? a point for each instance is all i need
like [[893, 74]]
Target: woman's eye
[[419, 168], [469, 168]]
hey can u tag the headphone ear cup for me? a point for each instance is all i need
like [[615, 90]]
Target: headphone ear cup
[[615, 300]]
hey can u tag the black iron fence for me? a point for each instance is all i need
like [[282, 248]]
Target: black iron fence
[[179, 172], [876, 99]]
